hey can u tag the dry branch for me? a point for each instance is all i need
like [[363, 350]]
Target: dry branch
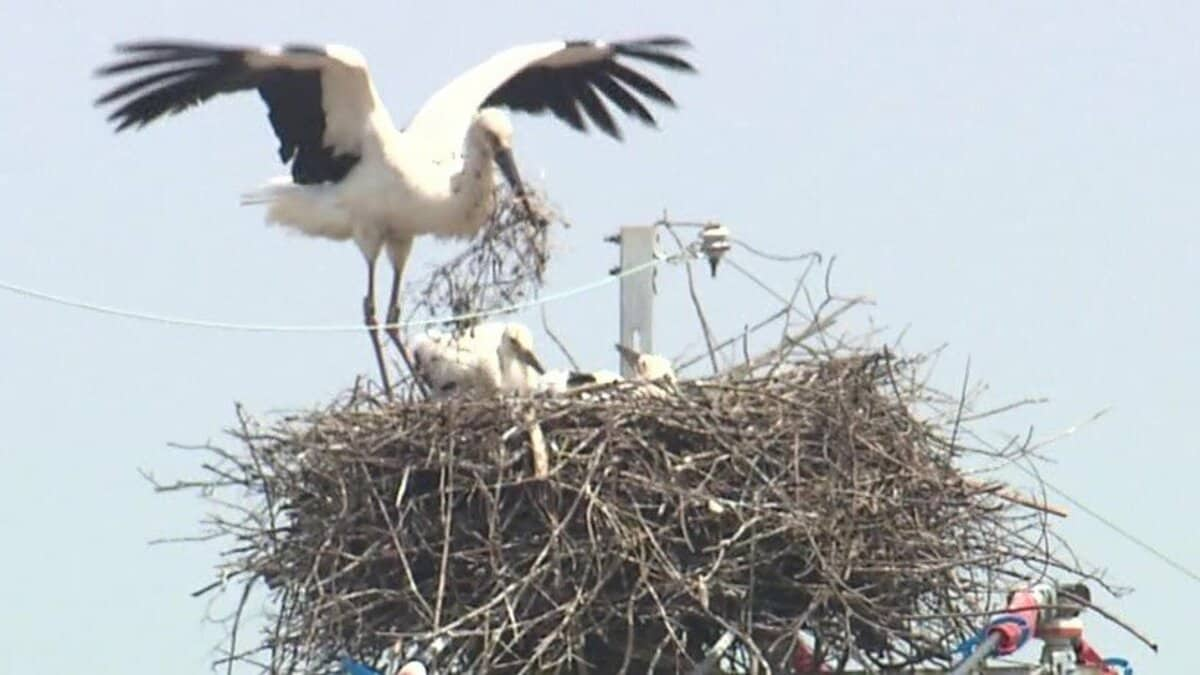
[[502, 266]]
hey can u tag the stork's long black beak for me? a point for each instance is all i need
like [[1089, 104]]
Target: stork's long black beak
[[628, 355], [527, 357], [504, 158], [508, 166]]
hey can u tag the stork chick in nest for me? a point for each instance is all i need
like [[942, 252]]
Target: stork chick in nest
[[653, 369], [485, 360]]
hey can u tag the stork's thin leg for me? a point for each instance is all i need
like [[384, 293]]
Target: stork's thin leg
[[393, 331], [398, 249], [373, 327]]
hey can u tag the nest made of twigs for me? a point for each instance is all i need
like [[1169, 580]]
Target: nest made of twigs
[[803, 496]]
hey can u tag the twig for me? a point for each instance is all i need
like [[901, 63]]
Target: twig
[[1005, 493], [557, 342], [1128, 627], [537, 444], [687, 266]]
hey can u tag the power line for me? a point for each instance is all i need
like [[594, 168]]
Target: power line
[[270, 328], [1126, 534], [789, 304], [776, 256]]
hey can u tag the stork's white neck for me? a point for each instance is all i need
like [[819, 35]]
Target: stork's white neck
[[472, 189], [478, 154], [478, 169], [518, 377]]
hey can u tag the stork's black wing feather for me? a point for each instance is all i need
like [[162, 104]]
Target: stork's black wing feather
[[175, 76], [565, 86]]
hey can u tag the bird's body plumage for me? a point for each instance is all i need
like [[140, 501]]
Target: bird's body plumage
[[561, 381], [484, 360], [452, 368], [353, 174]]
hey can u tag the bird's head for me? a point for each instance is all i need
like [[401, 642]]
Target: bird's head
[[517, 344], [495, 127], [420, 352], [647, 366], [425, 352], [630, 356], [494, 132], [655, 367]]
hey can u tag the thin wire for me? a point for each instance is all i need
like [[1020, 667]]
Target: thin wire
[[268, 328], [775, 256], [761, 284], [682, 223], [1126, 534], [758, 252]]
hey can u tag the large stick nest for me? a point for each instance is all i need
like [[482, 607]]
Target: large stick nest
[[800, 493]]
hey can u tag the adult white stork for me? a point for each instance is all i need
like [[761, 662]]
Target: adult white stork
[[354, 175]]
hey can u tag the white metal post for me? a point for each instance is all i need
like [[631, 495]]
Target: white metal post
[[637, 291]]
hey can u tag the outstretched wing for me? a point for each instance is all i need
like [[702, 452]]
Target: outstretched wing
[[570, 79], [320, 100]]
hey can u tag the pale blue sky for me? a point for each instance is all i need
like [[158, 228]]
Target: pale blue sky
[[1014, 179]]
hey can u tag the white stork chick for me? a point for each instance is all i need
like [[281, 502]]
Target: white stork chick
[[647, 367], [448, 367], [517, 363], [653, 369], [485, 360], [354, 174]]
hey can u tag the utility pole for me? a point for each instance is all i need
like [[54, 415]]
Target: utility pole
[[638, 244]]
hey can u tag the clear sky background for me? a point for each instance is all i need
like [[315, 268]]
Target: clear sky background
[[1015, 179]]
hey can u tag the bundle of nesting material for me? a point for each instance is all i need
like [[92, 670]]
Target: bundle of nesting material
[[504, 264]]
